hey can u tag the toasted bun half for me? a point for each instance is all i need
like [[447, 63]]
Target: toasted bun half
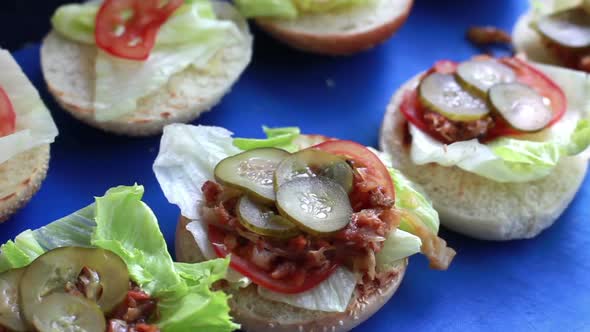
[[257, 314], [478, 207], [69, 72], [341, 33], [528, 41], [21, 178]]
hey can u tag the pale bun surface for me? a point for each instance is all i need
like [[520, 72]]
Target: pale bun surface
[[476, 206], [20, 178], [68, 68], [341, 33], [257, 314]]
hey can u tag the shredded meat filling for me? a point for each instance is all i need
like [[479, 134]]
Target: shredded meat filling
[[134, 312], [454, 131], [354, 246]]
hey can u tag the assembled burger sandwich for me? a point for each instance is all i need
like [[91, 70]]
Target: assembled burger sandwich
[[106, 268], [318, 230], [497, 144], [131, 67]]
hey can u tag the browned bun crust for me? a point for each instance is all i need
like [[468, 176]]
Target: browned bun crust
[[21, 178], [255, 313], [337, 43]]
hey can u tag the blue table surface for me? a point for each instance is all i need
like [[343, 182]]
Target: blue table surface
[[533, 285]]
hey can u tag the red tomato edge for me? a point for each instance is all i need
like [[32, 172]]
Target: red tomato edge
[[336, 146], [7, 120], [151, 30]]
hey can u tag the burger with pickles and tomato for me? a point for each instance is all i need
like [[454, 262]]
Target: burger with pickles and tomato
[[556, 32], [106, 268], [318, 230], [497, 143]]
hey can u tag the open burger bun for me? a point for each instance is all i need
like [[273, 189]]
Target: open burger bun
[[341, 33], [20, 178], [528, 42], [68, 68], [476, 206], [257, 314]]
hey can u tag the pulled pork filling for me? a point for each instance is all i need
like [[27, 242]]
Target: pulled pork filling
[[294, 259], [454, 131], [129, 316], [134, 312]]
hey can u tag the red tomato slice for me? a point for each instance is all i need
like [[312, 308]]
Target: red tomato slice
[[7, 115], [131, 37], [413, 110], [374, 170], [261, 277]]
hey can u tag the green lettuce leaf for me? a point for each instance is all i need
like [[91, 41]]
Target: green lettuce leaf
[[34, 125], [76, 22], [137, 240], [281, 138], [399, 245], [122, 223], [291, 9]]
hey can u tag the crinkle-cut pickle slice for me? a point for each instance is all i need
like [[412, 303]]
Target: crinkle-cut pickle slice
[[64, 312], [522, 107], [317, 205], [50, 274], [10, 313], [312, 163], [478, 76], [442, 94], [252, 172], [262, 220]]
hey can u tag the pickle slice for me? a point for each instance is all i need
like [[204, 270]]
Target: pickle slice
[[442, 94], [311, 163], [569, 28], [317, 205], [262, 220], [478, 76], [252, 171], [54, 271], [520, 106], [10, 314], [61, 312]]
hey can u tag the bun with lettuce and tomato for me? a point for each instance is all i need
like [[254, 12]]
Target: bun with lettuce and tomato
[[556, 32], [319, 230], [331, 27], [26, 130], [106, 268], [496, 143], [131, 67]]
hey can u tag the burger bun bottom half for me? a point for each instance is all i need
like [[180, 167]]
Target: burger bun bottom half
[[257, 314]]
